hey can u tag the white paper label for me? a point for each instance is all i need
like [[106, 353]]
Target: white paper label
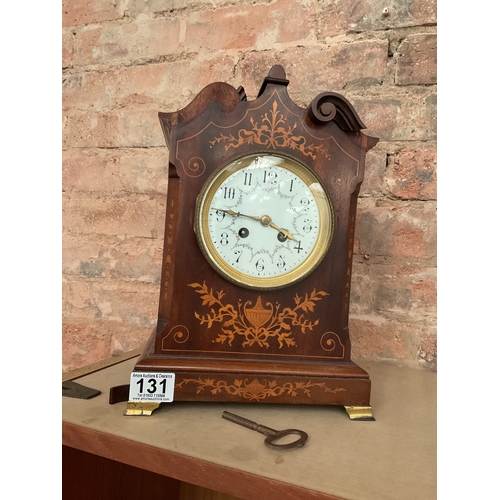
[[157, 387]]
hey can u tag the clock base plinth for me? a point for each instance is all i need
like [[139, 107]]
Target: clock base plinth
[[255, 381]]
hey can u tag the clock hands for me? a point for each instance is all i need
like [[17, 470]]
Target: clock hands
[[265, 220]]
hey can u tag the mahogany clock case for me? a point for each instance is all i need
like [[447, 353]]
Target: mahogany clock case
[[227, 342]]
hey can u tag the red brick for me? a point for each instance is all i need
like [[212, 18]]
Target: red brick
[[84, 257], [86, 172], [131, 303], [313, 69], [405, 117], [86, 342], [427, 351], [336, 18], [413, 175], [75, 12], [88, 90], [116, 170], [395, 290], [94, 256], [424, 292], [408, 241], [143, 170], [378, 339], [398, 230], [344, 16], [375, 164], [128, 128], [128, 338], [130, 87], [416, 63], [82, 345], [259, 26], [67, 49], [139, 129], [374, 228], [295, 20], [230, 28], [122, 70], [137, 7], [128, 215], [183, 80], [166, 86], [424, 11], [77, 300], [132, 41], [90, 130], [137, 260]]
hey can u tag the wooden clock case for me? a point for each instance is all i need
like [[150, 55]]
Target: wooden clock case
[[229, 343]]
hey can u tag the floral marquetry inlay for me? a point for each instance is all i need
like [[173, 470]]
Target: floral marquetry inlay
[[256, 323], [260, 213], [272, 132], [256, 390]]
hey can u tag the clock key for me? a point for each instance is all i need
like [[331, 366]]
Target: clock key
[[272, 434]]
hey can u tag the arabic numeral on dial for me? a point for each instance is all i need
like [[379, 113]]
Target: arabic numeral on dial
[[298, 247], [270, 177], [281, 263], [229, 193], [248, 179], [305, 204], [307, 226], [238, 253], [259, 265], [224, 239], [220, 215]]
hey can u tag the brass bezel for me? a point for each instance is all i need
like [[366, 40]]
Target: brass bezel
[[326, 215]]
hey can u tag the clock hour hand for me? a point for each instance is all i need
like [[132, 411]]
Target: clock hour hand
[[282, 231], [265, 220]]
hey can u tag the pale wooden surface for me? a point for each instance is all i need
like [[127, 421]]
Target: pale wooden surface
[[391, 458]]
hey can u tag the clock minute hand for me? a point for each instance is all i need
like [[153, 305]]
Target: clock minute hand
[[239, 214], [265, 220]]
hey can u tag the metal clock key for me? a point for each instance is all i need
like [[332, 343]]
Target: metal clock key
[[272, 435]]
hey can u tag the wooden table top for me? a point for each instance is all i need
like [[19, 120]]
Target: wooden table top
[[391, 458]]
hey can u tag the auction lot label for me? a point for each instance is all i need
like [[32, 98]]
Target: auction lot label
[[157, 387]]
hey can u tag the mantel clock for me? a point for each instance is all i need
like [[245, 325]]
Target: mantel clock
[[257, 258]]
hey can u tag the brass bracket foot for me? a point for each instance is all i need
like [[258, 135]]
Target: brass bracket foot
[[359, 412], [138, 408]]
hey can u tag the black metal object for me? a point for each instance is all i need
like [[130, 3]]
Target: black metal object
[[72, 389]]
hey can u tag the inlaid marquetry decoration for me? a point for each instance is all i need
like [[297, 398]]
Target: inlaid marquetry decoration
[[272, 132], [259, 239], [256, 390], [256, 323]]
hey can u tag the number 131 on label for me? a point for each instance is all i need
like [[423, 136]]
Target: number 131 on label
[[158, 387]]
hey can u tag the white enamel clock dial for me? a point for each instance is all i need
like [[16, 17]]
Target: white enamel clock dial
[[264, 221]]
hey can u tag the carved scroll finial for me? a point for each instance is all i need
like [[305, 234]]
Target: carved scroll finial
[[330, 106]]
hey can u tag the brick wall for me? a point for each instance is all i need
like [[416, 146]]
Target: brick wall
[[125, 60]]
